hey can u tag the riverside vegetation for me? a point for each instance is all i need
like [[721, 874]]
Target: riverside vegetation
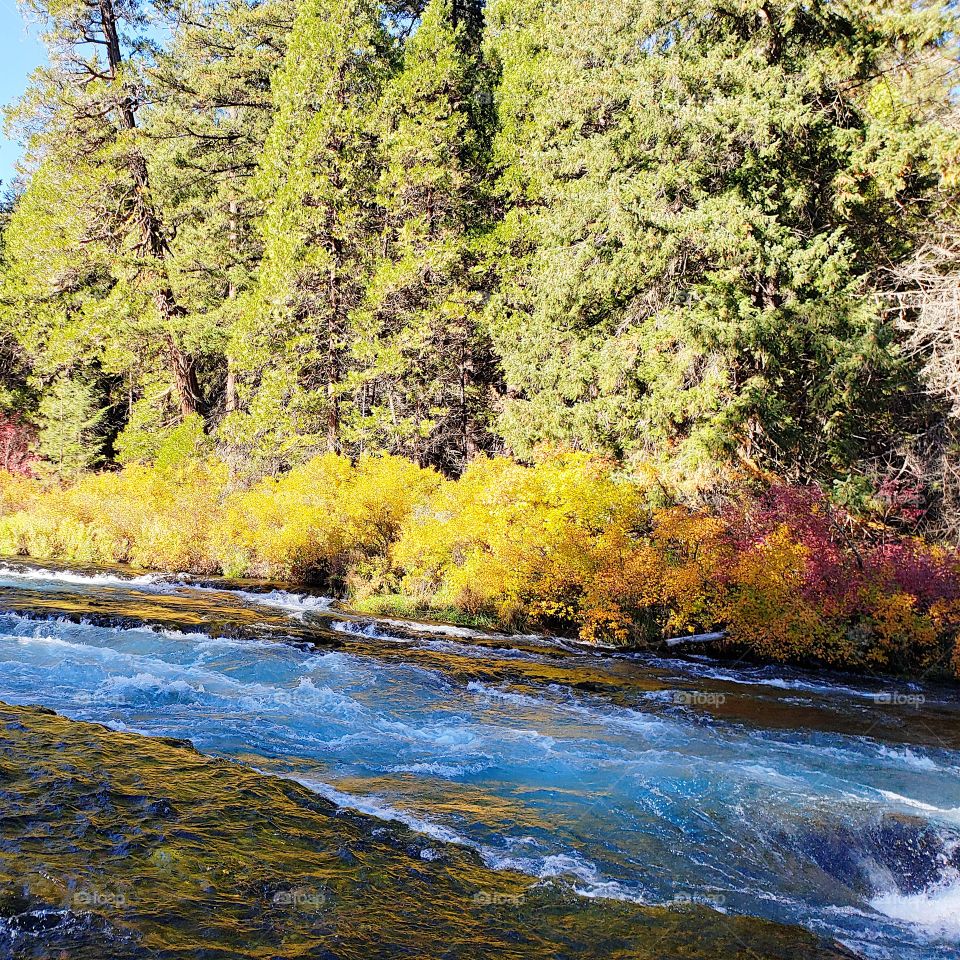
[[616, 318], [565, 545]]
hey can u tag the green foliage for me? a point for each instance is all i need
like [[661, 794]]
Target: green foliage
[[701, 196], [145, 441], [70, 438], [210, 115], [88, 275], [418, 351], [134, 231], [317, 177]]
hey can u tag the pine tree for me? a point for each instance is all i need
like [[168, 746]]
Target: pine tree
[[210, 114], [701, 195], [422, 361], [70, 436], [318, 179], [89, 255], [15, 394]]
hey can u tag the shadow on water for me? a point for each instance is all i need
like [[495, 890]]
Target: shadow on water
[[119, 846]]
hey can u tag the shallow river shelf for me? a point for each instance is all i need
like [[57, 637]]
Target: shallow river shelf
[[115, 845]]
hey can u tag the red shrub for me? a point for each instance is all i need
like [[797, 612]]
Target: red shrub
[[16, 442]]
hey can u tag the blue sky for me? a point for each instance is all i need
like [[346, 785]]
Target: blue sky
[[20, 52]]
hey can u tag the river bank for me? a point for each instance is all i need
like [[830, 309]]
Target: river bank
[[567, 547], [274, 602]]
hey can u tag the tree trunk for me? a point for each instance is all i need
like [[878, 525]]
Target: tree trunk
[[470, 445], [182, 364], [333, 417], [333, 364], [230, 399], [185, 378]]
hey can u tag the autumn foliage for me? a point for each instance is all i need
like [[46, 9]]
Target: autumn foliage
[[567, 545], [16, 443]]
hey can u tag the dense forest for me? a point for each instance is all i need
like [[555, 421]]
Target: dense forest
[[703, 244], [687, 233]]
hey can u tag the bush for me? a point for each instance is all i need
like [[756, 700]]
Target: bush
[[523, 543], [811, 584], [323, 520], [17, 491], [567, 545], [152, 518]]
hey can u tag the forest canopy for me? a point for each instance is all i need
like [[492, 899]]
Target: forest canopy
[[705, 238]]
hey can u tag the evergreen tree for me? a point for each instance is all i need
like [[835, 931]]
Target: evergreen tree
[[89, 265], [289, 226], [205, 132], [318, 179], [70, 436], [701, 194], [15, 395], [424, 367]]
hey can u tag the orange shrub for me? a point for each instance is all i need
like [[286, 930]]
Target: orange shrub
[[765, 610]]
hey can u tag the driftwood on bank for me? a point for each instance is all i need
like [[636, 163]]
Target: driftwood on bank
[[696, 638]]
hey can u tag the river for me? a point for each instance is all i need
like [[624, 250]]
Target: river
[[421, 790]]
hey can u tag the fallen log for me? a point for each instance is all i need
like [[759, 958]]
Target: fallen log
[[696, 638]]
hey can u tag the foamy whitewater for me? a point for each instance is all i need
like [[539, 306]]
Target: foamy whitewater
[[935, 911], [295, 603], [629, 792]]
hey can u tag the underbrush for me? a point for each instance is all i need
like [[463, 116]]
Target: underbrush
[[566, 545], [407, 608]]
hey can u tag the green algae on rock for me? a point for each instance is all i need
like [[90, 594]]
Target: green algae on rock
[[116, 845]]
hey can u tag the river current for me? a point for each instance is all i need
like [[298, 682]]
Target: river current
[[603, 781]]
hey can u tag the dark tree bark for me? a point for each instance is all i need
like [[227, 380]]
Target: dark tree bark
[[182, 365]]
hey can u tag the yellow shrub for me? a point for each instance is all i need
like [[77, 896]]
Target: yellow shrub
[[150, 517], [668, 583], [565, 544], [695, 557], [900, 633], [322, 515], [47, 535], [17, 492], [383, 494], [508, 537]]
